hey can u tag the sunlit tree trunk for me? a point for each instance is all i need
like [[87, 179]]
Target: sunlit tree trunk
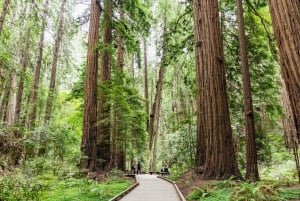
[[88, 143], [103, 136], [3, 13], [213, 121], [54, 63], [11, 106], [285, 16], [32, 101], [251, 152]]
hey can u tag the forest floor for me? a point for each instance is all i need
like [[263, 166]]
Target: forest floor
[[190, 181]]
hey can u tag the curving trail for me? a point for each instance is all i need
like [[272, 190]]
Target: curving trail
[[152, 188]]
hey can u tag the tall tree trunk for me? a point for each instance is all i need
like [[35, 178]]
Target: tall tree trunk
[[3, 14], [154, 116], [146, 92], [118, 153], [88, 143], [54, 63], [213, 122], [103, 136], [290, 132], [121, 48], [11, 106], [24, 63], [201, 147], [251, 152], [285, 19], [32, 101], [5, 97]]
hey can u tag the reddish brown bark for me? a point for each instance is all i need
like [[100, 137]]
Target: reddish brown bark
[[285, 16], [88, 144], [251, 151], [200, 149], [213, 121], [103, 136]]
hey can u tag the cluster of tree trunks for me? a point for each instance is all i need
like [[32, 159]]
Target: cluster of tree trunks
[[12, 111], [101, 146]]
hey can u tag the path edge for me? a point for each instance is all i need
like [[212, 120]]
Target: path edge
[[182, 198], [125, 192]]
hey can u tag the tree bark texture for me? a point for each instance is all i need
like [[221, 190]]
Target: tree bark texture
[[251, 152], [54, 63], [285, 16], [290, 132], [200, 149], [103, 136], [88, 144], [3, 14], [213, 121]]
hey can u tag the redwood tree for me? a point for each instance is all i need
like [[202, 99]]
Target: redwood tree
[[54, 62], [285, 16], [213, 121], [103, 130], [88, 144], [32, 101], [251, 151]]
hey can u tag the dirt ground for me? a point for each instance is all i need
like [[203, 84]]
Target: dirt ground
[[188, 181]]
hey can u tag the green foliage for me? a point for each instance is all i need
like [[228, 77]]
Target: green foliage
[[83, 190], [241, 191], [209, 193], [254, 191], [289, 194], [20, 187], [26, 186]]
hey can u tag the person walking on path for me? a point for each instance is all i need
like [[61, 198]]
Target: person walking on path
[[139, 168]]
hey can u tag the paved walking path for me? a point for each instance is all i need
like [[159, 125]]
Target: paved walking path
[[152, 188]]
